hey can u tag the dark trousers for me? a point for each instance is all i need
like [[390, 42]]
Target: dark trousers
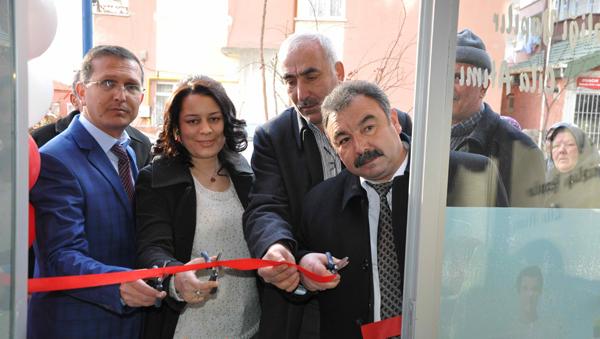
[[285, 318]]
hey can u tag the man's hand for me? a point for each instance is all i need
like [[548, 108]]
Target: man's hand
[[316, 263], [283, 276], [139, 293], [190, 288]]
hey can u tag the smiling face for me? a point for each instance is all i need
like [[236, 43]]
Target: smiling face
[[201, 126], [309, 78], [113, 110], [564, 151], [367, 142]]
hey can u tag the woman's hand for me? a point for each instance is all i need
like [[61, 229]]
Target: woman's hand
[[191, 289]]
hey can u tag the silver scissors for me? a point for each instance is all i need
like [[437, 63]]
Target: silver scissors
[[214, 274]]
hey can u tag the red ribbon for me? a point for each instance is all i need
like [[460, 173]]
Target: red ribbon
[[390, 327], [93, 280]]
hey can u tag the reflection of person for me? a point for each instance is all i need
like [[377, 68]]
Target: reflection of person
[[84, 207], [529, 285], [478, 129], [189, 200], [529, 324], [574, 178], [342, 214]]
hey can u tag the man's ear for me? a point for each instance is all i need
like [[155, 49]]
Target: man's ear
[[394, 120], [339, 70], [80, 89]]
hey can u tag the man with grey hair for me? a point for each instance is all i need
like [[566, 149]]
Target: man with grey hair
[[291, 155], [476, 128], [361, 213]]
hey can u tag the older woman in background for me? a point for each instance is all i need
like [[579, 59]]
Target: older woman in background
[[190, 200], [574, 177]]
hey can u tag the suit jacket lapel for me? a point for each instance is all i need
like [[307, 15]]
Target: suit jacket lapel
[[306, 142], [313, 156], [100, 161]]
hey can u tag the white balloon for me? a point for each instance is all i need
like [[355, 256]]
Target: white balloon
[[40, 89], [42, 18]]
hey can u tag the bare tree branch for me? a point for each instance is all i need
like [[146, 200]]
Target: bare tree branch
[[262, 60]]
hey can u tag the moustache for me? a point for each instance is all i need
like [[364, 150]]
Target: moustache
[[367, 156], [307, 103]]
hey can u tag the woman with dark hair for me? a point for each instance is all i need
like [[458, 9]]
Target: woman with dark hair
[[574, 176], [189, 202]]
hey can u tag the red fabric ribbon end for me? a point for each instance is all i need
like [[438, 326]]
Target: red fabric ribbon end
[[389, 327]]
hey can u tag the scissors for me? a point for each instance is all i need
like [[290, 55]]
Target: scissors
[[214, 274], [331, 267], [159, 285]]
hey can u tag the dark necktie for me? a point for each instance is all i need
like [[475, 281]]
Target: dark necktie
[[124, 170], [390, 278]]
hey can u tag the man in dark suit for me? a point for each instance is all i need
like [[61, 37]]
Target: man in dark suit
[[361, 213], [84, 207], [291, 155], [476, 128]]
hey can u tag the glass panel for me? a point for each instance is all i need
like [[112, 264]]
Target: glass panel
[[7, 123], [526, 95]]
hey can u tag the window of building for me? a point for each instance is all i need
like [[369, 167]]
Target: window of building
[[163, 92], [110, 7], [587, 115], [321, 9]]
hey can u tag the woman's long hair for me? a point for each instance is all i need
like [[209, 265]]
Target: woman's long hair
[[167, 145]]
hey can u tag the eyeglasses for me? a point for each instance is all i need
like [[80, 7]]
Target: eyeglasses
[[110, 85]]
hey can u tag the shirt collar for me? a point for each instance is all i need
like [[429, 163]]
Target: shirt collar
[[105, 141], [303, 123]]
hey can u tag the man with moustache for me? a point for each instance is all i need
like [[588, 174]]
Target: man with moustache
[[84, 207], [476, 128], [361, 213], [291, 155]]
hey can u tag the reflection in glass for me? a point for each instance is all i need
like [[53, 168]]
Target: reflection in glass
[[574, 177]]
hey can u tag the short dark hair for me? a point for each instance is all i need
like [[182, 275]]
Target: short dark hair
[[235, 133], [102, 51], [344, 93]]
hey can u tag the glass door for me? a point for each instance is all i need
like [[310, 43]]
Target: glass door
[[516, 81]]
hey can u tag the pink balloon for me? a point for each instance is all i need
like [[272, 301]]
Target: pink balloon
[[34, 162]]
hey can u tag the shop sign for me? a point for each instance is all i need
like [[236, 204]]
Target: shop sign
[[588, 82]]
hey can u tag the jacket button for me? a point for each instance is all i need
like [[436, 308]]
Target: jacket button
[[365, 265]]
